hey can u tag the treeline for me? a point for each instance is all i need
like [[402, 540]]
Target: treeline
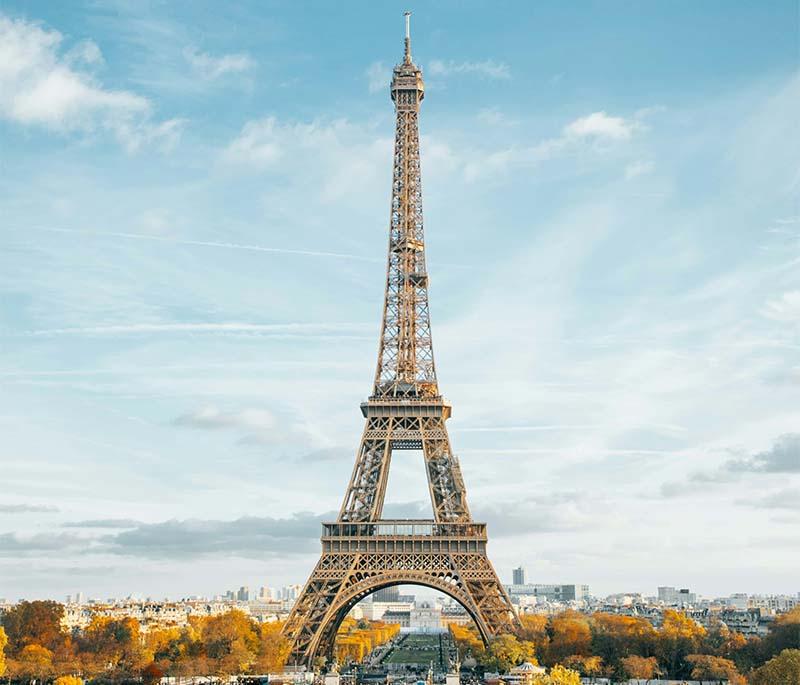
[[622, 647], [356, 639], [33, 646]]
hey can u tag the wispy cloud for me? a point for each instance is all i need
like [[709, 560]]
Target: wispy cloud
[[487, 69], [26, 508], [378, 77], [782, 499], [39, 86], [210, 67], [595, 133], [223, 328], [784, 308]]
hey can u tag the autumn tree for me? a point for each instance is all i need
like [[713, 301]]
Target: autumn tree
[[506, 651], [709, 667], [37, 622], [467, 640], [114, 648], [68, 680], [634, 666], [569, 634], [585, 665], [3, 643], [34, 662], [615, 637], [559, 676], [533, 628], [231, 642], [783, 669], [679, 636], [273, 648]]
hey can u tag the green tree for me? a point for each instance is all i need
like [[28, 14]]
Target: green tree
[[783, 669], [784, 633]]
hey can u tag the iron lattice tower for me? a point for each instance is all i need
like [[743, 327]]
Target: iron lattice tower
[[361, 552]]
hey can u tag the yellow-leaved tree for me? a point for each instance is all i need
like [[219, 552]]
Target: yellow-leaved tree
[[68, 680], [559, 676], [3, 643]]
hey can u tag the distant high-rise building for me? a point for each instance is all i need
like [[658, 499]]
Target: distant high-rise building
[[672, 597], [244, 594], [387, 594], [78, 598], [519, 576], [69, 599]]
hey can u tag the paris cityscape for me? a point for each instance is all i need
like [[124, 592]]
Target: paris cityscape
[[197, 201]]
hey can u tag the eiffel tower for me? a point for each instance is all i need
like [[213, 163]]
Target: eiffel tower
[[362, 552]]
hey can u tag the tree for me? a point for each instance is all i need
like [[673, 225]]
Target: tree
[[68, 680], [615, 637], [533, 628], [34, 663], [784, 633], [231, 642], [679, 636], [569, 634], [783, 669], [585, 665], [559, 676], [114, 647], [152, 673], [273, 648], [3, 643], [506, 651], [37, 622], [709, 667], [640, 667]]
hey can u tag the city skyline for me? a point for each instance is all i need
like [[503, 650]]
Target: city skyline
[[192, 273]]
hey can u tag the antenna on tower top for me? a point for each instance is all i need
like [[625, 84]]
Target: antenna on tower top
[[407, 15]]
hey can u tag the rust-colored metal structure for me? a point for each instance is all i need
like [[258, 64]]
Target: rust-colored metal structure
[[361, 552]]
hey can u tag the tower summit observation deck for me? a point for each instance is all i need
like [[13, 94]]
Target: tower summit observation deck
[[361, 552]]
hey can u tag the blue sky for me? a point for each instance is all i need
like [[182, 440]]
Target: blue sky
[[193, 217]]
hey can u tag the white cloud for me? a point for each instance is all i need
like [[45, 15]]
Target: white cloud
[[587, 132], [378, 77], [38, 86], [487, 69], [601, 125], [211, 68]]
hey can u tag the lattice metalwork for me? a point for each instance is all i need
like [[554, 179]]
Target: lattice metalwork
[[361, 553]]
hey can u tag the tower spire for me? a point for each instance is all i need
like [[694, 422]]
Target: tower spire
[[407, 59]]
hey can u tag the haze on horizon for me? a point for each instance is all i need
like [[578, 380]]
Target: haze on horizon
[[194, 218]]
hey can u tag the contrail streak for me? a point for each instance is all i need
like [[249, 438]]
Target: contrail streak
[[209, 243]]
